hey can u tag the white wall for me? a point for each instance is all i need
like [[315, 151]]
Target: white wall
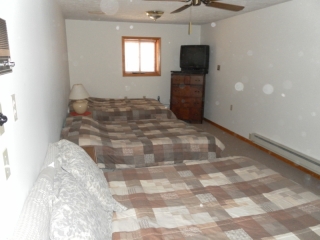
[[95, 57], [41, 86], [274, 54]]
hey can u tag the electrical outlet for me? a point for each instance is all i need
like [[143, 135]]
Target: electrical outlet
[[5, 158], [231, 107], [218, 67], [8, 172], [1, 127], [14, 107], [6, 163]]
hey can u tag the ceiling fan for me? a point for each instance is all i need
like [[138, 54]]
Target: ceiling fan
[[209, 3]]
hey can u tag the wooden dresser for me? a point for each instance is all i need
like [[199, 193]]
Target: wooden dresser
[[187, 96]]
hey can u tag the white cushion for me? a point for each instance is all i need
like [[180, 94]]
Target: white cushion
[[78, 163], [77, 214]]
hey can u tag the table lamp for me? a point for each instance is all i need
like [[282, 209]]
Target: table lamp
[[79, 94]]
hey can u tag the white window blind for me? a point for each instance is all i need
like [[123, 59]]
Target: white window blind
[[139, 56]]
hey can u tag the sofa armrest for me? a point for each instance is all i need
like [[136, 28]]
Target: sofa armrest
[[34, 220]]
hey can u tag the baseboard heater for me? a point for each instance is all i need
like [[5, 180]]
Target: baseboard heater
[[292, 155]]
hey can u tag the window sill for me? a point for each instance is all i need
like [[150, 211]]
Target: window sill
[[138, 74]]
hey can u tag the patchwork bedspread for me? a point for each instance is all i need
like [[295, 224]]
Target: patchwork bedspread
[[104, 109], [226, 198], [141, 143], [114, 103]]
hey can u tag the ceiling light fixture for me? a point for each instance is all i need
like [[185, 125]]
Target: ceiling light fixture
[[154, 14]]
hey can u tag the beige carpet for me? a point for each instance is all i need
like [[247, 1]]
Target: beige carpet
[[237, 147]]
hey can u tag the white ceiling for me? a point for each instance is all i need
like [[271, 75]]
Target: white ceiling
[[134, 10]]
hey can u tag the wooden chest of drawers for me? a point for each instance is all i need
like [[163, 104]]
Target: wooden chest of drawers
[[187, 96]]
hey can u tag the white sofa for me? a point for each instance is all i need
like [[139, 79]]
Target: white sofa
[[69, 200]]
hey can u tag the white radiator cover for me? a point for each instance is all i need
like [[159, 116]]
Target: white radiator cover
[[292, 155]]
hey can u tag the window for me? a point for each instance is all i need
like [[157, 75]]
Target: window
[[141, 56], [5, 66]]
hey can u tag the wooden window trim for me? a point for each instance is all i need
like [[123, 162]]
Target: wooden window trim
[[157, 71]]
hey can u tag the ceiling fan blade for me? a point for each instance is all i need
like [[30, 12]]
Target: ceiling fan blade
[[225, 6], [182, 8]]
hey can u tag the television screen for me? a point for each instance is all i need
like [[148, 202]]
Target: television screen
[[194, 57]]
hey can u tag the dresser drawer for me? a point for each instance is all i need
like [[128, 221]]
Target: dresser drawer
[[182, 101], [181, 112], [195, 92], [196, 79], [181, 90], [196, 114], [178, 101], [184, 113], [180, 79], [176, 91], [197, 103]]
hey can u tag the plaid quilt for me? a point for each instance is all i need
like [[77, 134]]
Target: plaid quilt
[[226, 198], [141, 143], [114, 103], [104, 109]]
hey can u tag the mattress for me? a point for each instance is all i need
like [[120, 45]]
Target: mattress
[[224, 198], [103, 109], [142, 143]]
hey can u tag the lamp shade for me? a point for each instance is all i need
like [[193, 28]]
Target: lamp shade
[[78, 92]]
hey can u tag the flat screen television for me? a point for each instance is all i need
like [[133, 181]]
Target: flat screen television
[[194, 58]]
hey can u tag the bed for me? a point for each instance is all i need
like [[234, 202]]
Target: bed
[[226, 198], [108, 109], [141, 143]]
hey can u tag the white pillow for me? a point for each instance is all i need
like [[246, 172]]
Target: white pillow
[[78, 163], [76, 213]]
